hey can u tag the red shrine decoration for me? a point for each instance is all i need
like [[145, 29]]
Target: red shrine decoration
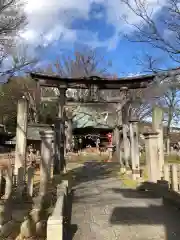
[[109, 136]]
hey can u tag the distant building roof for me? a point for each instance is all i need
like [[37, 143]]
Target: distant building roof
[[83, 120], [34, 129]]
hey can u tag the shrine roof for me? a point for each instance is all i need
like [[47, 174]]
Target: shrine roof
[[34, 129], [103, 83]]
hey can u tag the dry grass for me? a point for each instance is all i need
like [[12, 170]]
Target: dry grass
[[88, 156], [173, 158], [127, 180]]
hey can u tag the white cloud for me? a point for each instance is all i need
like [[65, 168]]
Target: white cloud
[[7, 63], [52, 20], [134, 74]]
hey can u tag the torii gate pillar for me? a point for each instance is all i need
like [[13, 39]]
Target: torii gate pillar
[[59, 160]]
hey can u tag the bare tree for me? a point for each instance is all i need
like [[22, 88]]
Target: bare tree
[[164, 91], [138, 107], [12, 19], [89, 63], [160, 29], [85, 63], [170, 102]]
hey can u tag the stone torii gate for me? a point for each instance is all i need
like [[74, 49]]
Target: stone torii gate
[[95, 85]]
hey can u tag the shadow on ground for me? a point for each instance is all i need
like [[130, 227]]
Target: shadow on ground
[[143, 208], [162, 214], [70, 229], [100, 170]]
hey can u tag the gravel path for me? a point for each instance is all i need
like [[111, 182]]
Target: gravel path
[[104, 209]]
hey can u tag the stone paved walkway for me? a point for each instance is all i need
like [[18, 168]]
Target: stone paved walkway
[[105, 210]]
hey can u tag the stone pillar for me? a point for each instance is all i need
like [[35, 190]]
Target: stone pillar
[[168, 146], [21, 135], [118, 146], [6, 203], [65, 138], [62, 115], [46, 159], [62, 101], [118, 133], [56, 164], [9, 183], [157, 119], [151, 149], [68, 134], [114, 136], [134, 148], [125, 130], [126, 145], [59, 160]]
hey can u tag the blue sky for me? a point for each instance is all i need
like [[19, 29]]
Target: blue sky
[[59, 26], [123, 57]]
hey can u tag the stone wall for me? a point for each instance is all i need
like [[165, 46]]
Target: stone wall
[[56, 225]]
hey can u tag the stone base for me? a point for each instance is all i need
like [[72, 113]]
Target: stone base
[[136, 171], [28, 229], [129, 171], [5, 211], [155, 188], [39, 211], [38, 214], [135, 176], [122, 169], [41, 228], [42, 201], [55, 229], [7, 229], [164, 184]]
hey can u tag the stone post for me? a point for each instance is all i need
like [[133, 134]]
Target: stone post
[[134, 148], [118, 146], [125, 130], [8, 186], [68, 133], [151, 149], [126, 145], [46, 159], [59, 160], [168, 146], [174, 170], [21, 135], [166, 172], [118, 133], [114, 136], [65, 138], [60, 133], [157, 119], [6, 201], [30, 181], [56, 164]]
